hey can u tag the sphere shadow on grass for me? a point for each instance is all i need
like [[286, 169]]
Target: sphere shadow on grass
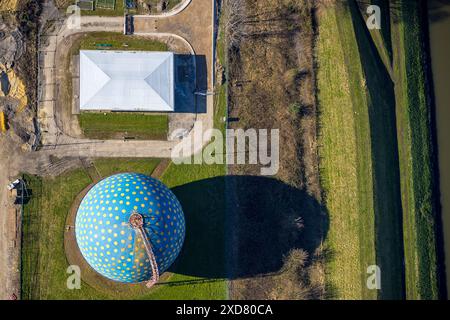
[[258, 219], [253, 221]]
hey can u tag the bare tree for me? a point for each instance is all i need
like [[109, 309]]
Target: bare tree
[[234, 15]]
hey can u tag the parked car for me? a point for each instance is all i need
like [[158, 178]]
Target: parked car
[[13, 184]]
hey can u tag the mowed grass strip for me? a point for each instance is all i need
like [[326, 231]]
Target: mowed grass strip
[[117, 41], [343, 168], [385, 164], [381, 37], [106, 4], [119, 125], [415, 151]]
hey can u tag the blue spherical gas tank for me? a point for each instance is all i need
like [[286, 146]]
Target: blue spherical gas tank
[[108, 242]]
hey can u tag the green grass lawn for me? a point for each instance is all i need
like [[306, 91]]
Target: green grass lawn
[[116, 125], [117, 41], [346, 169], [416, 153], [119, 9], [386, 171]]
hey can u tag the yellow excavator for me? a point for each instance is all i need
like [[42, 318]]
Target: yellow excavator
[[2, 122]]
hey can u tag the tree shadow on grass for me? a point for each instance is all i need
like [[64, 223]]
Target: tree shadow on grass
[[253, 221]]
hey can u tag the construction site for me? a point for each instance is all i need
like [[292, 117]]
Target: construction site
[[17, 131]]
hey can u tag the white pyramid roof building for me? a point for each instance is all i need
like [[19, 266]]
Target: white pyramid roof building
[[126, 80]]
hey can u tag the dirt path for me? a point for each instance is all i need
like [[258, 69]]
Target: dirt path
[[10, 219]]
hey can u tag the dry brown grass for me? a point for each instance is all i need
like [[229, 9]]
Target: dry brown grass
[[272, 87]]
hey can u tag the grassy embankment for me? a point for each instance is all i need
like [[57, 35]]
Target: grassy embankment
[[406, 21], [415, 150], [373, 175], [119, 10], [346, 170], [119, 125], [387, 190], [8, 5]]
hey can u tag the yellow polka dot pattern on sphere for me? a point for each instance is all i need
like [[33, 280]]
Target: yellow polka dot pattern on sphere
[[106, 239]]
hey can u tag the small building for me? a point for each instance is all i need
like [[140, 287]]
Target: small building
[[126, 81]]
